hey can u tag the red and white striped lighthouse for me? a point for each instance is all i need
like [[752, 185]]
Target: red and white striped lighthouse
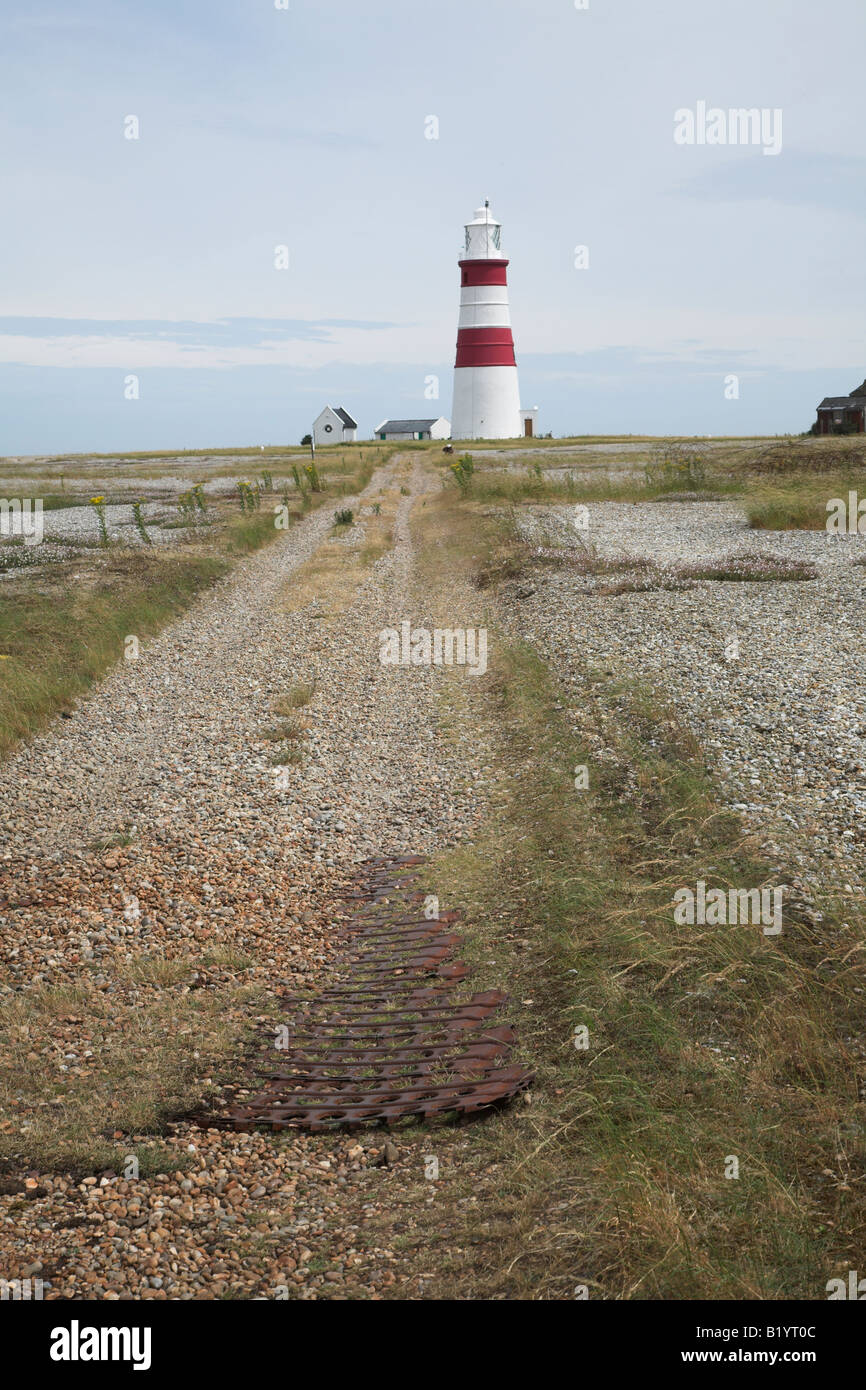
[[486, 394]]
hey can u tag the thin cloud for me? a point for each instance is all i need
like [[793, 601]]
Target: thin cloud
[[229, 332]]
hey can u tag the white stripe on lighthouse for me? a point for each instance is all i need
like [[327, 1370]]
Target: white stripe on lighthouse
[[484, 305]]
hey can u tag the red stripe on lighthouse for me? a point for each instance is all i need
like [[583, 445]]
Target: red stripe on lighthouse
[[483, 272], [485, 347]]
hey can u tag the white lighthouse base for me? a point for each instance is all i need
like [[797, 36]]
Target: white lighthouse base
[[486, 403]]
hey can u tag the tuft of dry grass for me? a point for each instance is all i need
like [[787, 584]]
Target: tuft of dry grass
[[751, 569], [297, 697], [286, 755], [374, 549], [294, 727]]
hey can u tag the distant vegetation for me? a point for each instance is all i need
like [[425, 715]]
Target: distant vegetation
[[783, 484]]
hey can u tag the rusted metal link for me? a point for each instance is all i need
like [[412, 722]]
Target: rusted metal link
[[386, 1040]]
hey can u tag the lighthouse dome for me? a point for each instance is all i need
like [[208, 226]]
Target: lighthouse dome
[[483, 236]]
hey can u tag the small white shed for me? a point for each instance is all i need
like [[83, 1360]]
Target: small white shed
[[334, 426]]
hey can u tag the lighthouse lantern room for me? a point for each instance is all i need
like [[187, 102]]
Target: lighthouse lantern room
[[486, 393]]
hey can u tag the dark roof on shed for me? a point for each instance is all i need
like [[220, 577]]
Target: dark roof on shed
[[842, 403], [407, 426], [345, 417]]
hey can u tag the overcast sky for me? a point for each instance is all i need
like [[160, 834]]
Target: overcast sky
[[307, 128]]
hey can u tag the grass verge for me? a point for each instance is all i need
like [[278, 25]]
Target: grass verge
[[57, 639], [802, 504], [705, 1044]]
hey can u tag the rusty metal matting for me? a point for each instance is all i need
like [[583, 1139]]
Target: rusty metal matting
[[387, 1039]]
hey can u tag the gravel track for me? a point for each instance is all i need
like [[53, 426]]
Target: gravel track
[[172, 739], [221, 853]]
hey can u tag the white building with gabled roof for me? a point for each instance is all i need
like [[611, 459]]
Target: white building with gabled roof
[[334, 426]]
